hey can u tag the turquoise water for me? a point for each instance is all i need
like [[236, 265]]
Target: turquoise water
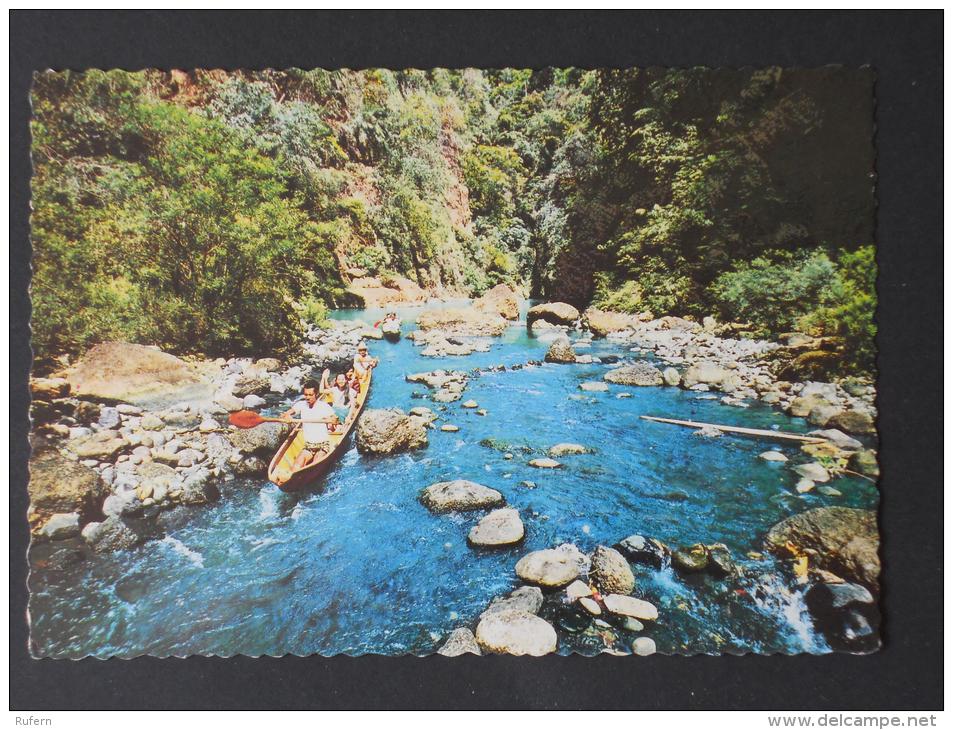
[[357, 565]]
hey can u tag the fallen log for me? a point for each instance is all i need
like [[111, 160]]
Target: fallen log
[[766, 433]]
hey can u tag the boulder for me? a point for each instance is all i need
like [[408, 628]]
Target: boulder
[[60, 485], [645, 550], [229, 402], [610, 571], [459, 495], [469, 321], [709, 373], [198, 488], [252, 401], [49, 388], [548, 568], [813, 471], [802, 406], [500, 528], [460, 641], [515, 632], [263, 440], [630, 607], [838, 438], [821, 414], [524, 598], [500, 300], [845, 541], [671, 377], [111, 534], [387, 431], [691, 559], [576, 590], [602, 324], [102, 445], [121, 371], [251, 385], [60, 526], [639, 373], [852, 422], [554, 313], [560, 351], [250, 466]]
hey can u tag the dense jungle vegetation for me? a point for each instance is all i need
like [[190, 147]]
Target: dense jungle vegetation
[[208, 211]]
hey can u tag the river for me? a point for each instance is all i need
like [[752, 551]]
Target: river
[[357, 565]]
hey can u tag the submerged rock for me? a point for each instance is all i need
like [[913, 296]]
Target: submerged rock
[[388, 431], [594, 386], [500, 528], [460, 641], [515, 632], [548, 568], [691, 559], [773, 456], [610, 571], [545, 463], [567, 448], [459, 495]]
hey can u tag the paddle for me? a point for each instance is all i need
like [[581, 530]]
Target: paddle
[[250, 419]]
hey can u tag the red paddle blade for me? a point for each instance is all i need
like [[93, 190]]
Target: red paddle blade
[[245, 419]]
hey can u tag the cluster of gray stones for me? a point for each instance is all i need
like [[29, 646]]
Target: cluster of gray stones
[[511, 624]]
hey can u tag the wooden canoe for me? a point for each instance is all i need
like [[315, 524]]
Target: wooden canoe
[[284, 458]]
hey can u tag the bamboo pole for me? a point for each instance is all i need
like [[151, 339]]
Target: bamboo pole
[[783, 435]]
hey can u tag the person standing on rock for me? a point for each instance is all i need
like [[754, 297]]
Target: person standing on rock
[[315, 415], [363, 362]]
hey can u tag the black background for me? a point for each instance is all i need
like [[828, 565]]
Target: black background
[[905, 50]]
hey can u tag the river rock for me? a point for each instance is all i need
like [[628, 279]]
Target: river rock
[[594, 386], [577, 589], [59, 485], [250, 466], [198, 488], [590, 606], [460, 641], [501, 300], [836, 596], [639, 373], [773, 456], [545, 463], [251, 385], [630, 607], [49, 388], [180, 419], [500, 528], [845, 541], [121, 371], [252, 401], [602, 323], [449, 428], [464, 321], [515, 632], [560, 351], [111, 534], [229, 402], [804, 485], [643, 646], [566, 449], [821, 414], [102, 445], [691, 559], [60, 526], [865, 462], [524, 598], [554, 313], [671, 377], [109, 417], [802, 406], [470, 404], [838, 438], [720, 562], [263, 440], [548, 568], [813, 471], [645, 550], [387, 431], [852, 422], [151, 422], [706, 372], [610, 571], [459, 495]]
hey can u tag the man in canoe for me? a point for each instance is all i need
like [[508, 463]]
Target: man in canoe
[[363, 362], [316, 415]]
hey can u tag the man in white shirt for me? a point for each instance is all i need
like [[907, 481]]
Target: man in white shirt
[[315, 414]]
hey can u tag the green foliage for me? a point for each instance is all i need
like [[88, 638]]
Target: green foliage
[[773, 292]]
